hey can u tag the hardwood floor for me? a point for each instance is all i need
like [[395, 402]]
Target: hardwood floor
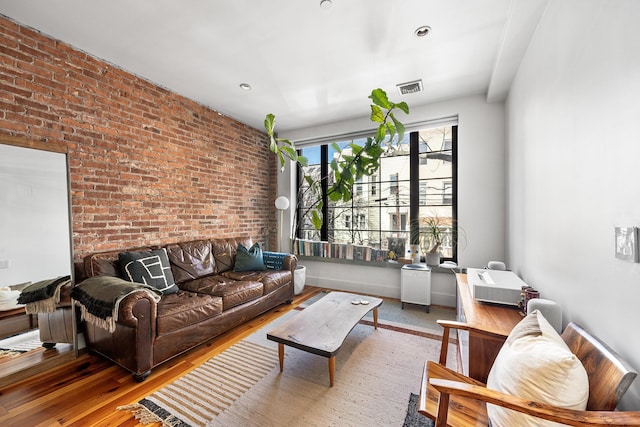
[[86, 391]]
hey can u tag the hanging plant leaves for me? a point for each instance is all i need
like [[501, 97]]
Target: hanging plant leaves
[[379, 97], [347, 167], [376, 114], [399, 127]]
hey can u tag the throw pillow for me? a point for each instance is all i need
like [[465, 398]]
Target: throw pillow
[[249, 259], [535, 363], [148, 267]]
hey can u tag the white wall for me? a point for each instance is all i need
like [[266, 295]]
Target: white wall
[[34, 215], [573, 151], [380, 281], [481, 203]]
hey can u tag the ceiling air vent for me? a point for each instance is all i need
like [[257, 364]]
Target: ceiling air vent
[[410, 87]]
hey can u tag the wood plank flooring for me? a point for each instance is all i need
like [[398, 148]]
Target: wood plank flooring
[[86, 391]]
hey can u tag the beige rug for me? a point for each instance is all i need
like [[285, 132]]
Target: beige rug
[[376, 371]]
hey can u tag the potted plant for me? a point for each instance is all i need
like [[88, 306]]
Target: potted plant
[[431, 238], [435, 231]]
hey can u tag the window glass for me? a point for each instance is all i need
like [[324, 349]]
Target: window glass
[[436, 187], [378, 215]]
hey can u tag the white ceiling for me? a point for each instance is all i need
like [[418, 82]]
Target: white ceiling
[[306, 64]]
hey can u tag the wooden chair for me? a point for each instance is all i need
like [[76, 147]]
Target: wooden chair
[[453, 399]]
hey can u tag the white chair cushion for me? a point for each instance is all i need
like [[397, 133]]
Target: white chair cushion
[[534, 363]]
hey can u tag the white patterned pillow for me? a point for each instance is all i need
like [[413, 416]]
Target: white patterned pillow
[[535, 363]]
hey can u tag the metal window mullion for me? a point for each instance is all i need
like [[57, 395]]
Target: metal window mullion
[[324, 177], [454, 182], [414, 188]]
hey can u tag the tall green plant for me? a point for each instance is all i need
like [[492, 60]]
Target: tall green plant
[[347, 168], [280, 146]]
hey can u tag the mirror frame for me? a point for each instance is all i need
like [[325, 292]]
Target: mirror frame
[[55, 147]]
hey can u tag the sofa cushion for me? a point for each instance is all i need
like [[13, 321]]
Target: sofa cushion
[[183, 309], [271, 279], [239, 292], [191, 260], [148, 267], [249, 259], [106, 263], [233, 292], [534, 363]]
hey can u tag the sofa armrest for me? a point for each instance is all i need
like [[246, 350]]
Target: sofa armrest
[[65, 295], [290, 262], [106, 301], [131, 314]]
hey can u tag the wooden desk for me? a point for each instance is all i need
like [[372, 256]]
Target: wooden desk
[[477, 352]]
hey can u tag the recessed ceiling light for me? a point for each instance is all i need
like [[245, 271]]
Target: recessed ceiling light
[[325, 4], [245, 86], [422, 31]]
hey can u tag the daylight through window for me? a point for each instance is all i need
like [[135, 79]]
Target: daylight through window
[[412, 194]]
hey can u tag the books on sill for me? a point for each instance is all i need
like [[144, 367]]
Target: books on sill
[[339, 250]]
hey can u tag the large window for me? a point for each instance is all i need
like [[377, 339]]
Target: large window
[[415, 186]]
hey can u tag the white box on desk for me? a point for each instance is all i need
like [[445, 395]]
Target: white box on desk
[[496, 286]]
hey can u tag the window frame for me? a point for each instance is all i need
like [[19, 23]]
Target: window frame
[[374, 186]]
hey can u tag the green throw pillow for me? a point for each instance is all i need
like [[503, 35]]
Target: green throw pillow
[[249, 259]]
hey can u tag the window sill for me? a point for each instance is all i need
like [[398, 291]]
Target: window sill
[[380, 264], [376, 264]]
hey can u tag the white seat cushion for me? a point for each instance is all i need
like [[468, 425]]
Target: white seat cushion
[[534, 363]]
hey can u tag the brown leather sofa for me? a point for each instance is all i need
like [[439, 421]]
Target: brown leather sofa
[[212, 299]]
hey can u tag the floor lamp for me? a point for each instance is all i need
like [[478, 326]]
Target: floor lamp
[[282, 204]]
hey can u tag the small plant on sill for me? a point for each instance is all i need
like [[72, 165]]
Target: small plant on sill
[[434, 232]]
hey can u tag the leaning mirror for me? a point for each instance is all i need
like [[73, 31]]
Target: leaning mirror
[[35, 246]]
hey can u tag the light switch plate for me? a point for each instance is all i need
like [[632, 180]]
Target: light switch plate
[[627, 243], [4, 263]]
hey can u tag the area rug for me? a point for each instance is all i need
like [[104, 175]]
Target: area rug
[[19, 344], [376, 372], [413, 418]]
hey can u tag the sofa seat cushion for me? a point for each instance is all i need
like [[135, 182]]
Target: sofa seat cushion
[[271, 279], [183, 309], [233, 292], [239, 292]]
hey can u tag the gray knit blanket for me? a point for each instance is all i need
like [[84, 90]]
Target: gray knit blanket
[[99, 298]]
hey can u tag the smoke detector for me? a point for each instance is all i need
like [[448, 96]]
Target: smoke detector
[[410, 87]]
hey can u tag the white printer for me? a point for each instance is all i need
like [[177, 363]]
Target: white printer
[[496, 286]]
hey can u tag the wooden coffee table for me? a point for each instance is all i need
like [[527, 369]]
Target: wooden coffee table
[[322, 327]]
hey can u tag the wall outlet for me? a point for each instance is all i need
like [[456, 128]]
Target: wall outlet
[[4, 263]]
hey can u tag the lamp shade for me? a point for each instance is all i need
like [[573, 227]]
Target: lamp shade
[[282, 203]]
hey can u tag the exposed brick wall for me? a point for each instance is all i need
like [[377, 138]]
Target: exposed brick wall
[[147, 166]]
